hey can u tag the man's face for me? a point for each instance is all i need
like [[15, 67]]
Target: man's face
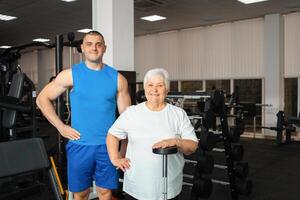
[[155, 90], [93, 47]]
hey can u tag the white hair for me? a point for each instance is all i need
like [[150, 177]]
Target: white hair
[[157, 72]]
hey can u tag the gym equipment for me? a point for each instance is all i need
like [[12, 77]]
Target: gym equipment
[[28, 156], [294, 120], [208, 140], [283, 124], [241, 169], [234, 135], [62, 192], [237, 152], [233, 152], [12, 104], [9, 67], [202, 188], [140, 96], [209, 118], [243, 187], [165, 152], [205, 164]]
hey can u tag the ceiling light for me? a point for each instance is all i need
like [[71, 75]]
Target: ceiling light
[[41, 40], [85, 30], [6, 17], [251, 1], [68, 0], [5, 47], [153, 18]]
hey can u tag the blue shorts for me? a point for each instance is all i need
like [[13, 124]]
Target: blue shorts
[[87, 163]]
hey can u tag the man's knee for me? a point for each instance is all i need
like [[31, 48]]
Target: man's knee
[[84, 195], [104, 193]]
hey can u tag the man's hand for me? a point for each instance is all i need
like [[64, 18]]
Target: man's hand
[[121, 163], [69, 133]]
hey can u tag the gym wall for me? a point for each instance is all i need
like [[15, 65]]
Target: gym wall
[[223, 51]]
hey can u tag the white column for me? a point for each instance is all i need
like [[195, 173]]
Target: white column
[[114, 19], [274, 66]]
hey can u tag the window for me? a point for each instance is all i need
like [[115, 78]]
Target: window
[[250, 90], [218, 84], [174, 86], [290, 96], [191, 86], [139, 86]]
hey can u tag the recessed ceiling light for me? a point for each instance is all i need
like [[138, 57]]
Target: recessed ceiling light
[[68, 0], [251, 1], [41, 40], [7, 17], [5, 47], [153, 18], [85, 30]]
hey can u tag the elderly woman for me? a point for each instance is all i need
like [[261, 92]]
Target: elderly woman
[[148, 125]]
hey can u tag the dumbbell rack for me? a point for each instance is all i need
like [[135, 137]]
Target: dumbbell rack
[[216, 105], [227, 147]]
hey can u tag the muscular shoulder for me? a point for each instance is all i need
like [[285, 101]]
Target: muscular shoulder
[[122, 83], [64, 79]]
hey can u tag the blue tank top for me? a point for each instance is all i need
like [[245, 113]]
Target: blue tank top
[[93, 102]]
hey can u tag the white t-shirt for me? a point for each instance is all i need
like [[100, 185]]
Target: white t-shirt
[[143, 128]]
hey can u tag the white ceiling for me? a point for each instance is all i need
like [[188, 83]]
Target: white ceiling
[[47, 18]]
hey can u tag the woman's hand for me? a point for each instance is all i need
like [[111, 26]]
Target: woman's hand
[[165, 143], [185, 146], [121, 163]]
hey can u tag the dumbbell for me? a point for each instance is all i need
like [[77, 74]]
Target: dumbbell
[[205, 164], [243, 187], [202, 188], [237, 152], [234, 134], [241, 169], [208, 140], [165, 152]]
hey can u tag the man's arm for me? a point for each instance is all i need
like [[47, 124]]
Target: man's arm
[[50, 92], [123, 101], [123, 98]]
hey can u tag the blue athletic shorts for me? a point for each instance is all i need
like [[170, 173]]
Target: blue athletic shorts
[[87, 163]]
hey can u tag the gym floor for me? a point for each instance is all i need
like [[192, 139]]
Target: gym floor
[[273, 170]]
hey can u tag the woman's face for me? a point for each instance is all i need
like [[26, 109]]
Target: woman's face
[[155, 90]]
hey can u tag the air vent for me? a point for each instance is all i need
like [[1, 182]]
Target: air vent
[[149, 4]]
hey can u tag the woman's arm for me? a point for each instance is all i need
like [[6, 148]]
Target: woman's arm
[[186, 146], [112, 143]]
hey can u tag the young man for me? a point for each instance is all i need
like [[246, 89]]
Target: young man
[[96, 91]]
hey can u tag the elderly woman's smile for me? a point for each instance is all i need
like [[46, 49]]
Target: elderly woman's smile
[[156, 92]]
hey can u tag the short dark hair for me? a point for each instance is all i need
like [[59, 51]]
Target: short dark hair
[[93, 32]]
